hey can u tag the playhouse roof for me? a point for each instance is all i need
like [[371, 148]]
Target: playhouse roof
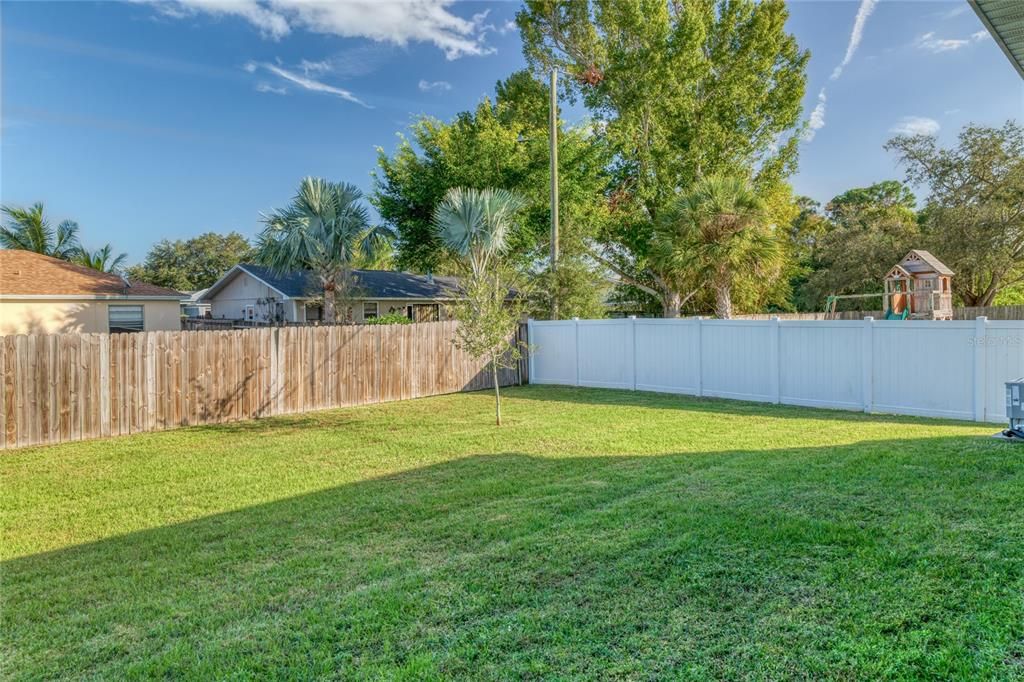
[[897, 271], [918, 261]]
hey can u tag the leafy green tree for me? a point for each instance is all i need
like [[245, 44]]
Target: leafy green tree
[[102, 259], [806, 232], [678, 91], [29, 230], [871, 229], [582, 289], [475, 225], [1010, 296], [974, 217], [192, 264], [325, 229], [503, 143], [712, 233]]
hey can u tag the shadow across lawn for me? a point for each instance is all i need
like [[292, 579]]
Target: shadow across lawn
[[900, 558], [678, 401]]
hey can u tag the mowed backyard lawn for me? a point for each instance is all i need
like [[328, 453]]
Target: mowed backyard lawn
[[597, 534]]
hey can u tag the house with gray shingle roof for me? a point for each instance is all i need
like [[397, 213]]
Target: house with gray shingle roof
[[261, 295]]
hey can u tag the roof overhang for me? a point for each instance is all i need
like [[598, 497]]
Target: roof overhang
[[1004, 19], [208, 295]]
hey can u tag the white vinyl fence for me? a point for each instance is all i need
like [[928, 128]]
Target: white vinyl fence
[[953, 369]]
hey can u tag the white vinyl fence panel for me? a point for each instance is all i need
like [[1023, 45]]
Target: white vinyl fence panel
[[953, 369]]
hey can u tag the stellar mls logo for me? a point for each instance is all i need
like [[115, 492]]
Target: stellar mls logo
[[996, 340]]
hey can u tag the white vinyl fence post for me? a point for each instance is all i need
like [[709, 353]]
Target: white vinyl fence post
[[867, 358], [980, 350], [576, 330], [529, 350], [700, 357], [632, 343], [773, 351]]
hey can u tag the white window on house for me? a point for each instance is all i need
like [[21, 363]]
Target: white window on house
[[369, 310], [125, 318], [249, 313]]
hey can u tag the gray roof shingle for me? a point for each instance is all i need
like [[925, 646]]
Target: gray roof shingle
[[372, 283]]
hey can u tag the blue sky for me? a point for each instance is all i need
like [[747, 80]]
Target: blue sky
[[146, 120]]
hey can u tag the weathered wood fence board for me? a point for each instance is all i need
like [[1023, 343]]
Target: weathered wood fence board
[[69, 387]]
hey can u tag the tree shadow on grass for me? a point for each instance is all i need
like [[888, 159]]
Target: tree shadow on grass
[[677, 401], [877, 559]]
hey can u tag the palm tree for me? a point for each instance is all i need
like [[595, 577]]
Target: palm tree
[[29, 230], [475, 225], [326, 229], [713, 232], [101, 259]]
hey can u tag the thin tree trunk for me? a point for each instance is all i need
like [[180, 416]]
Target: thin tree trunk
[[671, 304], [329, 312], [990, 293], [497, 393], [723, 298]]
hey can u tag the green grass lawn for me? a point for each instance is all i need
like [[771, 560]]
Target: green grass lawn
[[598, 534]]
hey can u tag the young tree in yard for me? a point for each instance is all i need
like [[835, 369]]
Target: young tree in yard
[[192, 264], [102, 259], [475, 225], [713, 233], [679, 90], [974, 218], [324, 229], [29, 230]]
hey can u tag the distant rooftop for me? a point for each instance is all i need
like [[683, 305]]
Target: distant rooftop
[[372, 283], [26, 273]]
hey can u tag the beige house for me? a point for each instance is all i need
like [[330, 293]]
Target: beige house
[[258, 295], [44, 295]]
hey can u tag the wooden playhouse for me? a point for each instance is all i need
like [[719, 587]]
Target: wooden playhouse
[[918, 288]]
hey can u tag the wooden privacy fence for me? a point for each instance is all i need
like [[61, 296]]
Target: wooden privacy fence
[[68, 387]]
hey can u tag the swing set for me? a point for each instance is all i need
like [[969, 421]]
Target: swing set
[[918, 287]]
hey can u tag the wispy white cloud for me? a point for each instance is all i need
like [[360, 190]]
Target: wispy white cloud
[[304, 82], [309, 67], [915, 125], [856, 35], [438, 86], [817, 120], [959, 9], [933, 44], [398, 23], [268, 88], [930, 42], [271, 23]]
